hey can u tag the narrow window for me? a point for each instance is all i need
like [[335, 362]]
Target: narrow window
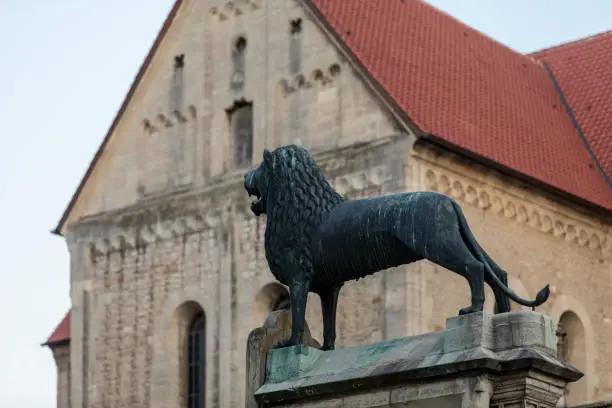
[[176, 87], [179, 61], [295, 46], [296, 27], [238, 63], [241, 127], [196, 355]]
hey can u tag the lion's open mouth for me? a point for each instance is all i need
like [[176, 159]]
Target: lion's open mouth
[[257, 198], [257, 203], [253, 192]]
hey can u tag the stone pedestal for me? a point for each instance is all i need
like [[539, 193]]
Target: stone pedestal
[[480, 360], [276, 328]]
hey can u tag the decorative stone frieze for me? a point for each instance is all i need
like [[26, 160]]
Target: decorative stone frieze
[[166, 217], [233, 9], [317, 78], [481, 193], [361, 180]]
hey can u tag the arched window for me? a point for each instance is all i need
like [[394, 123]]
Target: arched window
[[270, 298], [571, 347], [196, 361]]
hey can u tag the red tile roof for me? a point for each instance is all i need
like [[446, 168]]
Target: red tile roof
[[61, 333], [469, 90], [583, 70]]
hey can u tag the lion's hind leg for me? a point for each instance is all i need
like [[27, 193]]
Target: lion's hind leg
[[458, 258], [474, 273], [502, 302]]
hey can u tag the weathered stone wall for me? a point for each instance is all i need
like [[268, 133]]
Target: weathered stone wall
[[141, 266], [61, 355], [175, 133]]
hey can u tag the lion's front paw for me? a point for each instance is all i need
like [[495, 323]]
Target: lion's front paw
[[285, 343], [468, 310]]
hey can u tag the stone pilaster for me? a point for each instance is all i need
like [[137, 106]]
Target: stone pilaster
[[528, 389], [78, 321], [276, 328], [61, 355]]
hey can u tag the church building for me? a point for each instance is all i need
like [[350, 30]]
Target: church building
[[168, 273]]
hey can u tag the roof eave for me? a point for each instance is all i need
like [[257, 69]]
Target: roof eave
[[553, 48], [56, 343], [441, 142]]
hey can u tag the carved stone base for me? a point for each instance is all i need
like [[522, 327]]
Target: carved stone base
[[504, 360], [527, 389], [290, 362], [276, 328]]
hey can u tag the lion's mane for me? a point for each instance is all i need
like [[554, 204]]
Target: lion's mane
[[300, 198]]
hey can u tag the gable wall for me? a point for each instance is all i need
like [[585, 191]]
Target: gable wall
[[303, 92]]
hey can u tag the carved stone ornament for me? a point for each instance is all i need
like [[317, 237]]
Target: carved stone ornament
[[162, 219], [490, 199]]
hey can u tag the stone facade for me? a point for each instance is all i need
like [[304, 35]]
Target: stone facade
[[162, 231]]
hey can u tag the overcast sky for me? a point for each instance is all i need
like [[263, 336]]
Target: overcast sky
[[65, 67]]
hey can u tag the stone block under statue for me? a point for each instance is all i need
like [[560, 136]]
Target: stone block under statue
[[479, 360]]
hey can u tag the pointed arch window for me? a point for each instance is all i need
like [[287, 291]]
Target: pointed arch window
[[196, 359]]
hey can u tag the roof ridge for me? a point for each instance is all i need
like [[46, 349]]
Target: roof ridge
[[473, 29], [570, 43], [570, 112]]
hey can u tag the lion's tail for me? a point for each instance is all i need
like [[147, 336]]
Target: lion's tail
[[482, 256]]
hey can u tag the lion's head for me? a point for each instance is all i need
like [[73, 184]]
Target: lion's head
[[291, 173]]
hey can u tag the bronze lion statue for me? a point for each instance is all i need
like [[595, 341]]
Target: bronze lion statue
[[315, 240]]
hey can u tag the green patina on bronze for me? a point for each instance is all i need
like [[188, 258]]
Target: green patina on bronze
[[471, 345]]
